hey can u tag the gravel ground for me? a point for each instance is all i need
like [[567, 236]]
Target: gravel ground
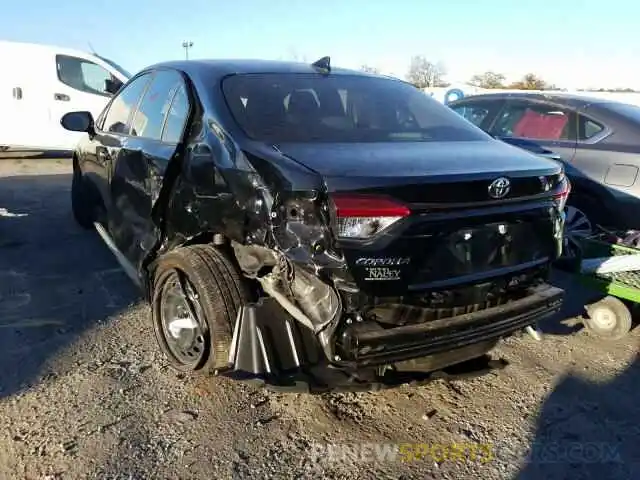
[[85, 394]]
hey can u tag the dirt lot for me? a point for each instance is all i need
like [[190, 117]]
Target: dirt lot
[[84, 393]]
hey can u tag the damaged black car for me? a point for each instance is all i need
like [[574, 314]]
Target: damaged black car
[[317, 228]]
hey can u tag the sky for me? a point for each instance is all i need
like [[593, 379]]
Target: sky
[[571, 43]]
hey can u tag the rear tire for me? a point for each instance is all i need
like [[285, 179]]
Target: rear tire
[[215, 290], [82, 202], [609, 319], [581, 219]]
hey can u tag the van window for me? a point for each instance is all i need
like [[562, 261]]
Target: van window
[[149, 118], [177, 117], [83, 75], [123, 104]]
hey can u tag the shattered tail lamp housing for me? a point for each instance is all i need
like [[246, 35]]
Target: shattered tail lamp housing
[[361, 217]]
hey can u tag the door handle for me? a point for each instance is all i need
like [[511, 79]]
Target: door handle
[[61, 97], [17, 93]]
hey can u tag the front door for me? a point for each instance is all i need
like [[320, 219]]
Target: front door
[[79, 85]]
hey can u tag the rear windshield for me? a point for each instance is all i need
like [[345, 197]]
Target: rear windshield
[[631, 112], [279, 108]]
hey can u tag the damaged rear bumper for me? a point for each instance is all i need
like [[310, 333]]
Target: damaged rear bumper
[[366, 348], [272, 347]]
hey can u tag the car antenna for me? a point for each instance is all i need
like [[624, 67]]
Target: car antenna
[[324, 64], [91, 48]]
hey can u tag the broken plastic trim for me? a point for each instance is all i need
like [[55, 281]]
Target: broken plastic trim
[[268, 285], [248, 353], [318, 304]]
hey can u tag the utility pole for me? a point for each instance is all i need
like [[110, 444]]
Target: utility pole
[[187, 45]]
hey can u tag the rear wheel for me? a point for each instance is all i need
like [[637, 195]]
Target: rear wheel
[[577, 225], [583, 213], [197, 293], [82, 202]]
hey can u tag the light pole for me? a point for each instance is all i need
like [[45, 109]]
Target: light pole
[[187, 45]]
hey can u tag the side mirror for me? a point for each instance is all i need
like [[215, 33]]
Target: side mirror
[[112, 85], [78, 122]]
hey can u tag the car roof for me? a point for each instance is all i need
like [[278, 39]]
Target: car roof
[[215, 69], [564, 98]]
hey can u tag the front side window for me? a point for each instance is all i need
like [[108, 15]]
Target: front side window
[[534, 121], [123, 104], [149, 118], [476, 114], [340, 108], [83, 75]]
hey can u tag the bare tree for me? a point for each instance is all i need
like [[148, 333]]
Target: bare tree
[[530, 82], [488, 80], [369, 69], [423, 73], [295, 56]]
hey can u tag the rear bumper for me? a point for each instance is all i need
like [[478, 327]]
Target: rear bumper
[[271, 347], [365, 347]]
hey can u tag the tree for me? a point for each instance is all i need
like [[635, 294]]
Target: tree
[[368, 69], [530, 82], [295, 56], [488, 80], [423, 73]]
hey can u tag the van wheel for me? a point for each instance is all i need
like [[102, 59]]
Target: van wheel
[[82, 203], [196, 295]]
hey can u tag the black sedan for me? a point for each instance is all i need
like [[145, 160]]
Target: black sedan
[[598, 141], [310, 226]]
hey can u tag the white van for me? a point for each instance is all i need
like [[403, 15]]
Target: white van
[[40, 83]]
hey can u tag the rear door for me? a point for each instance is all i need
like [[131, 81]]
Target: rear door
[[549, 125], [137, 169]]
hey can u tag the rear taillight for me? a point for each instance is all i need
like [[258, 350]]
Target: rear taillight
[[361, 217], [563, 193]]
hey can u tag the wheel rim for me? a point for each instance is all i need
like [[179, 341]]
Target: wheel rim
[[181, 327], [576, 226], [603, 318]]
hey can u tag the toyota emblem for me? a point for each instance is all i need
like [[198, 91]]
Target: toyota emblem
[[499, 187]]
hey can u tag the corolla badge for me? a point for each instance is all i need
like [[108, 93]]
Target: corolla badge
[[499, 187]]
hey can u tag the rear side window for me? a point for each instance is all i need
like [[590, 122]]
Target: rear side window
[[83, 75], [534, 121], [588, 128], [123, 105], [149, 118], [340, 108]]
